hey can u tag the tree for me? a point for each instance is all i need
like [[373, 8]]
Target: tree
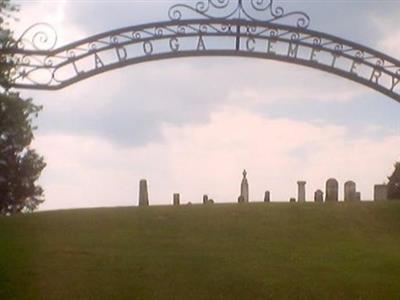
[[394, 183], [6, 65], [20, 166]]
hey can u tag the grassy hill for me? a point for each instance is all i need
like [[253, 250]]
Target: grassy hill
[[225, 251]]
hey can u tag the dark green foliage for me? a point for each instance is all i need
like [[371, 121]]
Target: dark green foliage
[[6, 39], [20, 166], [394, 183]]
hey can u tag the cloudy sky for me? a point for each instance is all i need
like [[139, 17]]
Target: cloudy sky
[[191, 125]]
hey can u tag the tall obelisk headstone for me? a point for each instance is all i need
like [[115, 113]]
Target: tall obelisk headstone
[[244, 188], [143, 193]]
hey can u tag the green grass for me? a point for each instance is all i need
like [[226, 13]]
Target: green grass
[[254, 251]]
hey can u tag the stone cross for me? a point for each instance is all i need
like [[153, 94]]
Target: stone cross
[[380, 192], [176, 199], [301, 191], [350, 191], [319, 196], [143, 193], [244, 188], [332, 190]]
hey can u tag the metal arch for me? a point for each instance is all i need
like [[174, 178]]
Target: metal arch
[[235, 33]]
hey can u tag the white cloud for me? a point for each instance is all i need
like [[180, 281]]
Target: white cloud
[[52, 13], [391, 43], [209, 158], [389, 34]]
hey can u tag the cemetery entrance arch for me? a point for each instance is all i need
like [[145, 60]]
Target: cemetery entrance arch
[[251, 28]]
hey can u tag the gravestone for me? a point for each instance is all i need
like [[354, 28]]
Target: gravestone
[[205, 199], [176, 199], [319, 196], [292, 200], [240, 199], [350, 191], [301, 191], [267, 196], [143, 193], [332, 190], [358, 196], [380, 192], [244, 188]]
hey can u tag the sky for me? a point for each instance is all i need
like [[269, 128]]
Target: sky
[[191, 125]]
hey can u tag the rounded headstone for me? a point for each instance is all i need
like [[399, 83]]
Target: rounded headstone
[[319, 196], [350, 191], [332, 190]]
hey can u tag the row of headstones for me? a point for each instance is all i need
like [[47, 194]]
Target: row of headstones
[[176, 199], [331, 194], [144, 195]]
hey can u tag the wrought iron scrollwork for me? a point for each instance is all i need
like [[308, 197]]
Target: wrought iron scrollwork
[[253, 10], [40, 36]]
